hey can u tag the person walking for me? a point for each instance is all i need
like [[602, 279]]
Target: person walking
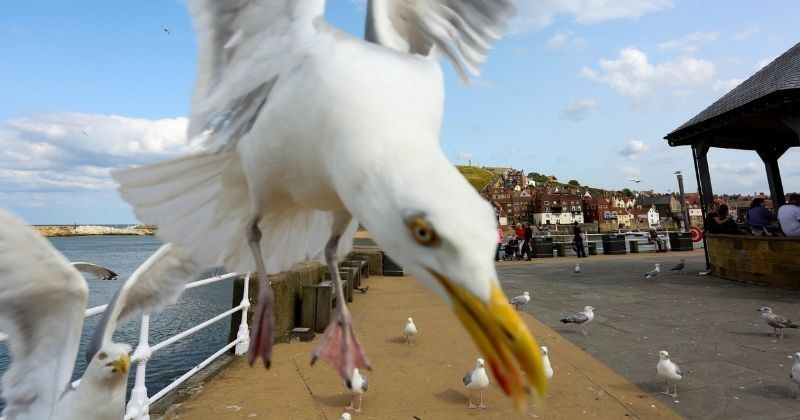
[[577, 239]]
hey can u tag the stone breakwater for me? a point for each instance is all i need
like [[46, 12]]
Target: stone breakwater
[[86, 230]]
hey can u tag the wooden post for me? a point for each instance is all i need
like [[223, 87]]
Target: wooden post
[[770, 155]]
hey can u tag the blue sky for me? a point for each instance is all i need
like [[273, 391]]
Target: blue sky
[[579, 89]]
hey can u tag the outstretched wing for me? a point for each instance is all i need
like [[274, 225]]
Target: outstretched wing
[[95, 270], [158, 282], [462, 30], [42, 301], [244, 46]]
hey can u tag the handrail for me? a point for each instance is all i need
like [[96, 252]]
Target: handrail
[[138, 406]]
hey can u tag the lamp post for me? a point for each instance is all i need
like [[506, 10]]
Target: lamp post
[[684, 209]]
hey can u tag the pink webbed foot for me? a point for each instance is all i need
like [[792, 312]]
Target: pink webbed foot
[[349, 408], [483, 406], [341, 349], [472, 406], [357, 410], [262, 336]]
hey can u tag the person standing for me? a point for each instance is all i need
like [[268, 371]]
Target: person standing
[[789, 216], [499, 243], [577, 239], [527, 246]]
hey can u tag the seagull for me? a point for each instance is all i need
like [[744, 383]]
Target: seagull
[[635, 180], [476, 380], [520, 300], [577, 268], [679, 268], [85, 133], [669, 372], [101, 273], [293, 115], [794, 374], [548, 369], [345, 416], [358, 386], [777, 322], [654, 272], [165, 29], [580, 318], [409, 331], [42, 302]]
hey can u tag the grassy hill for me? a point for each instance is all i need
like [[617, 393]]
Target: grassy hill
[[478, 177]]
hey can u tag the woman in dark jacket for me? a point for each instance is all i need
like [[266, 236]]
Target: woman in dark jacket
[[577, 239]]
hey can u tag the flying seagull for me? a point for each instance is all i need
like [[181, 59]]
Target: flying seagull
[[669, 372], [520, 300], [476, 380], [548, 369], [295, 114], [357, 385], [777, 322], [679, 268], [409, 331], [42, 302], [165, 29], [653, 273], [635, 180], [580, 318], [794, 374]]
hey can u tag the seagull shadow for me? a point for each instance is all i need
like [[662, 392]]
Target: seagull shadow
[[651, 387], [335, 400], [399, 340], [452, 396]]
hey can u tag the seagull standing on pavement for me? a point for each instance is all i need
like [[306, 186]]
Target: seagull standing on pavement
[[577, 268], [409, 331], [476, 380], [679, 268], [293, 115], [520, 300], [794, 374], [777, 322], [580, 318], [669, 372], [357, 385], [548, 369], [654, 272]]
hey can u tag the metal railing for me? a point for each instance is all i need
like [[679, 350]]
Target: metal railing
[[138, 407]]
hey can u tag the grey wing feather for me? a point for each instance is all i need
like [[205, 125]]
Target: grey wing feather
[[95, 270], [677, 368], [462, 30], [42, 301], [518, 300], [578, 318], [158, 282], [467, 378], [364, 383]]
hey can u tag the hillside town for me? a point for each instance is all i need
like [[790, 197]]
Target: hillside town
[[520, 197]]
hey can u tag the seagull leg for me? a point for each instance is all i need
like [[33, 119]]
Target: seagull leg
[[262, 336], [675, 391], [352, 403], [582, 331], [781, 333], [666, 388], [339, 345], [471, 405], [482, 405], [360, 397]]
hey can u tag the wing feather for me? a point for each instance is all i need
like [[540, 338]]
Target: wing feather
[[42, 301], [95, 270], [461, 30]]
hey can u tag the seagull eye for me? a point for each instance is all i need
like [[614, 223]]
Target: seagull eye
[[423, 232], [102, 356]]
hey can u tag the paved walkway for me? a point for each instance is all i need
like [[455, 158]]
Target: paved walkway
[[422, 381], [733, 366]]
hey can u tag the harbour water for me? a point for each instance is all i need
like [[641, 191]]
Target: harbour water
[[124, 254]]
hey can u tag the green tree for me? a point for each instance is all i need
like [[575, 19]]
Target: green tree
[[574, 183], [626, 192]]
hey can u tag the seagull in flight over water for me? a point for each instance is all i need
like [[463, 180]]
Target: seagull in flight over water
[[307, 129]]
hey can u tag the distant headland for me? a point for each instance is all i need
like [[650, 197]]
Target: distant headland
[[87, 230]]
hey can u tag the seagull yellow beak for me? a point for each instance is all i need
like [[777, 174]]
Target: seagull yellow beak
[[123, 364], [502, 337]]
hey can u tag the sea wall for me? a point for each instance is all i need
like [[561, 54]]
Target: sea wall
[[773, 261]]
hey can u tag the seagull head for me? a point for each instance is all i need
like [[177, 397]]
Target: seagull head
[[766, 310], [658, 265], [588, 308], [797, 357], [479, 363], [526, 294], [543, 349], [663, 355], [428, 218], [111, 363], [410, 321], [345, 416]]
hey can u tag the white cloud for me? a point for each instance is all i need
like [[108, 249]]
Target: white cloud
[[633, 148], [464, 156], [565, 40], [578, 109], [689, 43], [629, 170], [746, 168], [747, 33], [763, 63], [633, 75], [75, 151], [533, 15]]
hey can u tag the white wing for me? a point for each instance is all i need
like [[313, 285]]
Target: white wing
[[244, 45], [158, 282], [42, 300], [95, 270], [462, 30]]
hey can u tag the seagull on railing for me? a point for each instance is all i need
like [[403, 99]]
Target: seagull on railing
[[307, 129], [42, 302]]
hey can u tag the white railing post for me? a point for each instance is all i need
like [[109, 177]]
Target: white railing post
[[243, 335], [139, 405]]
